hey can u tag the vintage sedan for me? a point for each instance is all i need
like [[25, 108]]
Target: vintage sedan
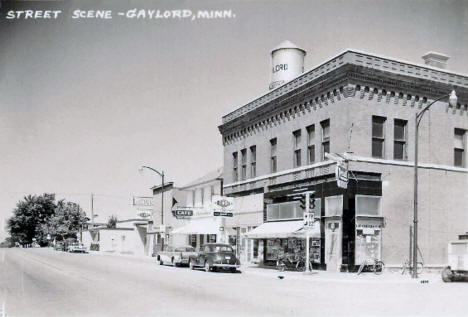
[[76, 247], [177, 256], [214, 256]]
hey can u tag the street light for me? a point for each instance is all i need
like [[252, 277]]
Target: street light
[[162, 193], [453, 102]]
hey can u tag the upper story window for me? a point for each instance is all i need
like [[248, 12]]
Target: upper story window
[[368, 205], [297, 148], [235, 163], [378, 136], [273, 157], [244, 164], [459, 148], [310, 144], [253, 161], [284, 211], [325, 137], [399, 139]]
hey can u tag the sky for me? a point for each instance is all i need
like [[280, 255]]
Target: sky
[[85, 102]]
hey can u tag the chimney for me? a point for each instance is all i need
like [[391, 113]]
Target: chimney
[[436, 59]]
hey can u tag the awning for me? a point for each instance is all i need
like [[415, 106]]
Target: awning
[[314, 232], [202, 226], [279, 229]]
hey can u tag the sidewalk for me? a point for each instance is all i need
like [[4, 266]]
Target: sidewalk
[[323, 276]]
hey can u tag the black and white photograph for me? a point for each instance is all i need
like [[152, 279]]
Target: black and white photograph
[[233, 158]]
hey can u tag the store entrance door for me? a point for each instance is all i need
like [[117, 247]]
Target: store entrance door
[[333, 244]]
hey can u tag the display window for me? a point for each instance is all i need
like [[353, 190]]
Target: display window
[[368, 243], [292, 248]]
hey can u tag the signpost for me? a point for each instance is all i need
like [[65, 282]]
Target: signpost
[[311, 207]]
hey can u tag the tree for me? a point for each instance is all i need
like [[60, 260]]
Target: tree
[[112, 222], [29, 216], [40, 216], [68, 219]]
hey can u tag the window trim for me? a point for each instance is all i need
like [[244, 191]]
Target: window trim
[[273, 155], [253, 161], [404, 141], [325, 140], [462, 133], [381, 139]]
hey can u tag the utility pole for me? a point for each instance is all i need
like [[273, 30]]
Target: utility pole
[[307, 270], [92, 210]]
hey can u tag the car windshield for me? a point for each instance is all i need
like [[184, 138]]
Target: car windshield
[[221, 248]]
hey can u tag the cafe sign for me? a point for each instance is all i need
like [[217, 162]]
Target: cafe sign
[[182, 212]]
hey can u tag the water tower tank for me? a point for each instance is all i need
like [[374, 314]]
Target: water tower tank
[[287, 62]]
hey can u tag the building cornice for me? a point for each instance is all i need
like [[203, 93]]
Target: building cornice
[[260, 180], [398, 68]]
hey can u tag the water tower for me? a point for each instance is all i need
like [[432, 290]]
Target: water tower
[[287, 62]]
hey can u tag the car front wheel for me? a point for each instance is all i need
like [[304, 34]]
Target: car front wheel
[[447, 275], [191, 265]]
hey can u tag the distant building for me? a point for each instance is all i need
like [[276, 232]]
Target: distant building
[[362, 107], [128, 237]]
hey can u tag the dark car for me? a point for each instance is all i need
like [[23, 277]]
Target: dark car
[[214, 256]]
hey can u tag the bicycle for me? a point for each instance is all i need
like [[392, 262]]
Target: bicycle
[[372, 265], [407, 266]]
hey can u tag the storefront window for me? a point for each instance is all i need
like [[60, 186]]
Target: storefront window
[[293, 249], [367, 245]]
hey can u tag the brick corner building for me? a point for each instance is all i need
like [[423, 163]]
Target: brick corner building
[[361, 106]]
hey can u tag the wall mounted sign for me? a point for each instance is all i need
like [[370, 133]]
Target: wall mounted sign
[[143, 203], [181, 212]]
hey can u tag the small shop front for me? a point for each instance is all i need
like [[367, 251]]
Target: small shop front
[[286, 240], [369, 224]]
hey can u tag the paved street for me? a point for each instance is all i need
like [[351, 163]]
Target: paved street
[[44, 282]]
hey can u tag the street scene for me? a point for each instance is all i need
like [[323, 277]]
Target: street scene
[[235, 158], [42, 282]]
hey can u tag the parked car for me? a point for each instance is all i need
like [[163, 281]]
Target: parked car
[[175, 256], [214, 256], [457, 260], [59, 246], [76, 247]]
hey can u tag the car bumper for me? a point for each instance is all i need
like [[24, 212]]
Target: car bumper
[[226, 266]]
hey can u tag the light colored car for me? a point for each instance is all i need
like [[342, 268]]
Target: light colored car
[[76, 247], [176, 256], [457, 260]]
